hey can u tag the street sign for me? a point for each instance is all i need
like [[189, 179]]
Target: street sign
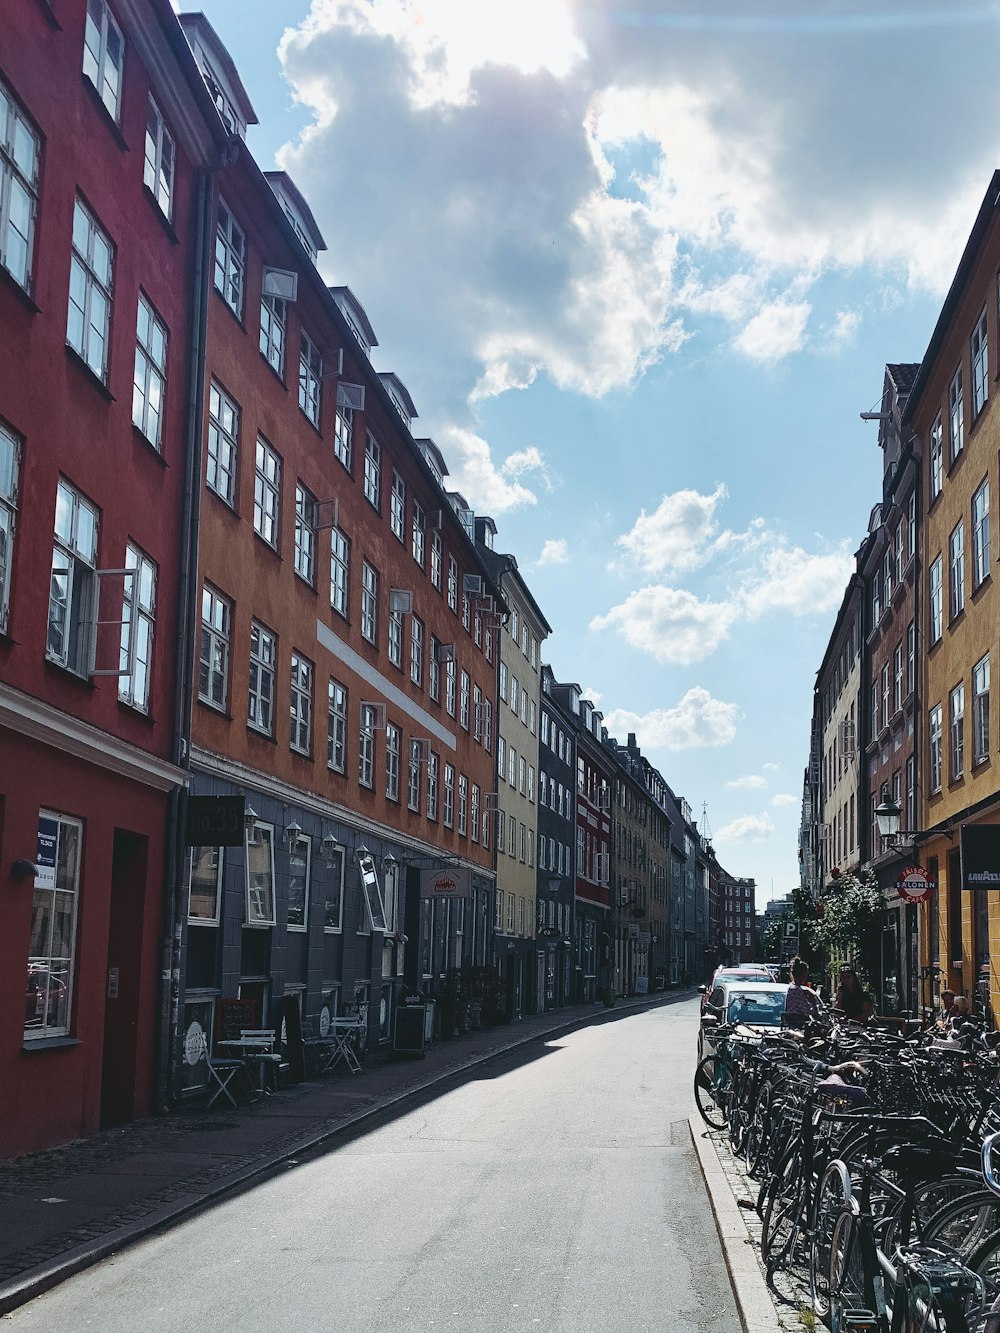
[[215, 821], [914, 885], [980, 851]]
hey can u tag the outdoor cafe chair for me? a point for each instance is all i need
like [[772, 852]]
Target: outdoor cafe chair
[[220, 1072], [258, 1047]]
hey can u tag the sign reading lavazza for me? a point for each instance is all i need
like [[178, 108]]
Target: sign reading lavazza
[[980, 856]]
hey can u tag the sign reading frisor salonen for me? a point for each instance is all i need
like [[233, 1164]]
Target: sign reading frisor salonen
[[980, 856], [449, 882]]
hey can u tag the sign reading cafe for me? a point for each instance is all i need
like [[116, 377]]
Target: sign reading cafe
[[914, 885], [980, 844], [449, 882]]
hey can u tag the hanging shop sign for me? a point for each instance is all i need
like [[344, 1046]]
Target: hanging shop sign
[[449, 882], [914, 885], [980, 851]]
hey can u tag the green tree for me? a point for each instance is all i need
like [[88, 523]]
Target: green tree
[[850, 923]]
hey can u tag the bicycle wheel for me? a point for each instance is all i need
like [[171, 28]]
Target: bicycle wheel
[[758, 1128], [832, 1197], [851, 1284], [986, 1262], [739, 1110], [964, 1225], [782, 1212], [711, 1092]]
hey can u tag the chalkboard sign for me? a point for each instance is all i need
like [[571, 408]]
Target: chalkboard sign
[[408, 1030], [233, 1017]]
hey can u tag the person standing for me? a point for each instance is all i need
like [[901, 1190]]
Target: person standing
[[850, 997], [801, 1003]]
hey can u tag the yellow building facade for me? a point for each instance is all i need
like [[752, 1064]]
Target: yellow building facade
[[954, 411]]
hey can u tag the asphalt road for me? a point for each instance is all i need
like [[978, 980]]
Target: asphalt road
[[553, 1189]]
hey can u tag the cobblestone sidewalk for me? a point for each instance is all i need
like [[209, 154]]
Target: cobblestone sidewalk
[[789, 1292]]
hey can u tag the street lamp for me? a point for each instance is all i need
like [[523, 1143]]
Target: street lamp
[[887, 814]]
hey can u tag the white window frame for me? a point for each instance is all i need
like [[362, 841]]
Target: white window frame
[[449, 686], [263, 666], [433, 781], [91, 291], [301, 850], [393, 754], [135, 660], [464, 701], [336, 727], [160, 156], [981, 710], [213, 662], [343, 435], [216, 868], [934, 748], [45, 904], [149, 379], [474, 810], [956, 558], [453, 584], [437, 560], [397, 507], [369, 602], [223, 443], [20, 156], [101, 66], [310, 378], [306, 533], [274, 332], [935, 456], [413, 776], [266, 492], [395, 637], [448, 811], [373, 471], [419, 533], [70, 634], [230, 259], [934, 600], [10, 472], [366, 745], [979, 362], [302, 675], [463, 805], [340, 571], [981, 533], [956, 731], [335, 876], [956, 416], [417, 651], [259, 882]]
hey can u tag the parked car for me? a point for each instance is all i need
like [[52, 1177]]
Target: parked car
[[758, 1005], [737, 972]]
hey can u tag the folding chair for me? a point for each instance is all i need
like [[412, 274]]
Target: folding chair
[[258, 1046], [221, 1073]]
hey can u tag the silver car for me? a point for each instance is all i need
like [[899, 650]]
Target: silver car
[[757, 1005]]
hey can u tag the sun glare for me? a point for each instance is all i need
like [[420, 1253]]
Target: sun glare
[[526, 35]]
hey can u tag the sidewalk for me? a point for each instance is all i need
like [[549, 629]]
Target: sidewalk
[[784, 1307], [63, 1210]]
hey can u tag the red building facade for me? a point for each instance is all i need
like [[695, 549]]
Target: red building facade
[[105, 132], [344, 681]]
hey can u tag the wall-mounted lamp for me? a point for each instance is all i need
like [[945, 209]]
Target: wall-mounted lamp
[[329, 849], [362, 851], [23, 868], [389, 862], [250, 818], [887, 814], [293, 832]]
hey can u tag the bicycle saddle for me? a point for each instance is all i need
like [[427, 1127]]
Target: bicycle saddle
[[834, 1086]]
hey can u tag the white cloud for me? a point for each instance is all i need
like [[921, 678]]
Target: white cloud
[[843, 330], [784, 798], [791, 580], [554, 552], [696, 720], [770, 766], [750, 782], [677, 535], [473, 472], [777, 330], [593, 695], [671, 624], [747, 828]]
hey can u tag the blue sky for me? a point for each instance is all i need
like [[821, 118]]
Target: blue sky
[[640, 267]]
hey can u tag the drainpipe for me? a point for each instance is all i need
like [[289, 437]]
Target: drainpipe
[[174, 915]]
